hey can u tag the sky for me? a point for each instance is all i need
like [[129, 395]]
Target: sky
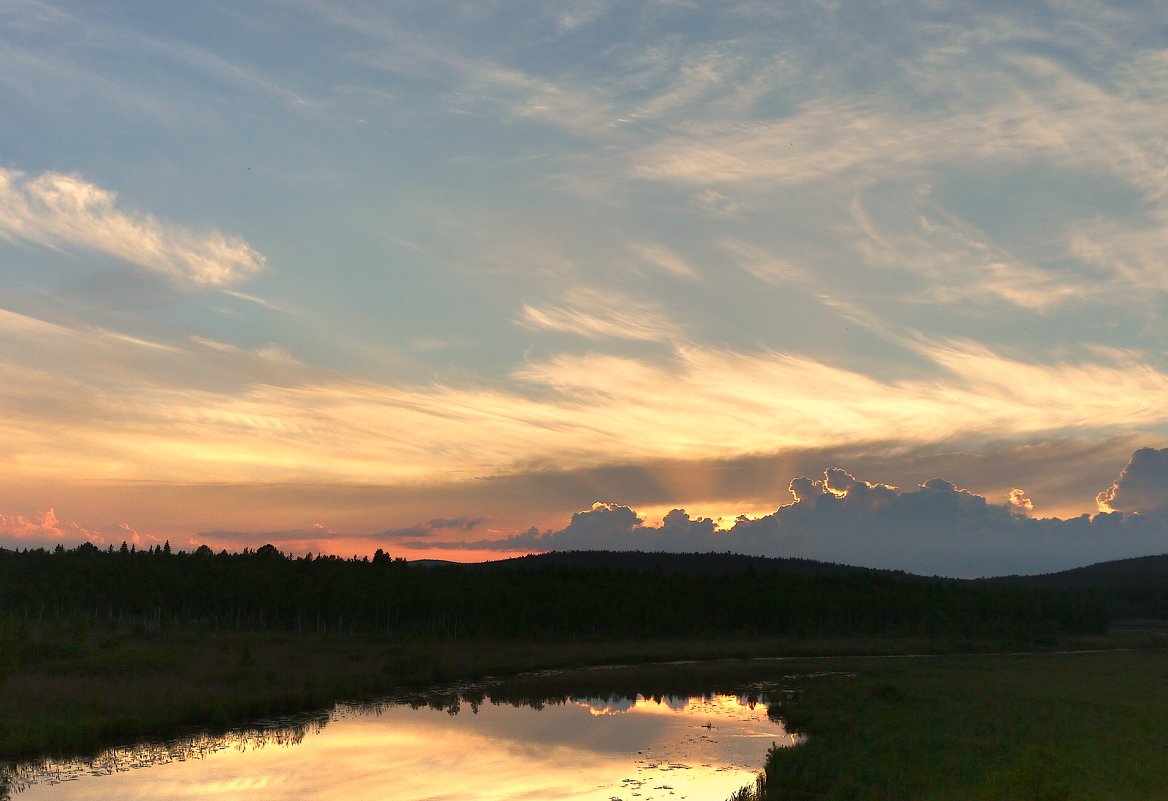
[[879, 283]]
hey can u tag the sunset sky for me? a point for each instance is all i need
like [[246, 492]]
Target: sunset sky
[[434, 277]]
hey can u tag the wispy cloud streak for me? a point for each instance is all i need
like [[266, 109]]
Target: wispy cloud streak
[[598, 314], [65, 212], [200, 412]]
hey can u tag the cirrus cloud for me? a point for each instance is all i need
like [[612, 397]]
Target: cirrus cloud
[[61, 211]]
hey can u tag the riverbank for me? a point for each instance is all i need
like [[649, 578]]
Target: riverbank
[[1042, 727], [74, 694]]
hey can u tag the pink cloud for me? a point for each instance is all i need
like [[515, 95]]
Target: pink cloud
[[46, 530]]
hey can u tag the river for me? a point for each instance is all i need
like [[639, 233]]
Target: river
[[533, 739]]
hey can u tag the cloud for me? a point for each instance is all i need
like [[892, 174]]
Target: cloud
[[198, 411], [425, 530], [580, 13], [767, 267], [575, 109], [458, 523], [916, 233], [1009, 107], [597, 314], [665, 259], [933, 528], [991, 92], [322, 539], [477, 81], [46, 530], [408, 533], [1141, 487], [694, 78], [1133, 251], [1018, 503], [61, 211], [606, 526]]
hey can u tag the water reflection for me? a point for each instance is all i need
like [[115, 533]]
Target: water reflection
[[530, 739], [284, 732]]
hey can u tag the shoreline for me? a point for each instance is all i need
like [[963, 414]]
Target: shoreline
[[110, 690]]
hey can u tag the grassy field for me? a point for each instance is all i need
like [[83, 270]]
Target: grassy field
[[1074, 727]]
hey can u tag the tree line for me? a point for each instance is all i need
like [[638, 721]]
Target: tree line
[[158, 589]]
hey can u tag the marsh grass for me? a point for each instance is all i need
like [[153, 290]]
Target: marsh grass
[[65, 694], [1074, 727]]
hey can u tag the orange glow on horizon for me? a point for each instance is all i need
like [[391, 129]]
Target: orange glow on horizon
[[347, 547]]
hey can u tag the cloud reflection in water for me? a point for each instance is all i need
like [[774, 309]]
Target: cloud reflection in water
[[587, 748]]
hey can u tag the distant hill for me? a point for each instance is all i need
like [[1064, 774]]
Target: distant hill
[[433, 563], [1129, 589], [1142, 573], [693, 564]]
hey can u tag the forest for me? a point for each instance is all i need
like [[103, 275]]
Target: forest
[[558, 597]]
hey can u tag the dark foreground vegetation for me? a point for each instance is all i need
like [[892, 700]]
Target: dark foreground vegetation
[[104, 646], [1053, 727]]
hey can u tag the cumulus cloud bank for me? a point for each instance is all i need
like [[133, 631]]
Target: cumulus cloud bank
[[933, 528], [46, 530], [64, 211], [1141, 487]]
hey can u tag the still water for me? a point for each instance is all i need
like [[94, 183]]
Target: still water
[[479, 743]]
